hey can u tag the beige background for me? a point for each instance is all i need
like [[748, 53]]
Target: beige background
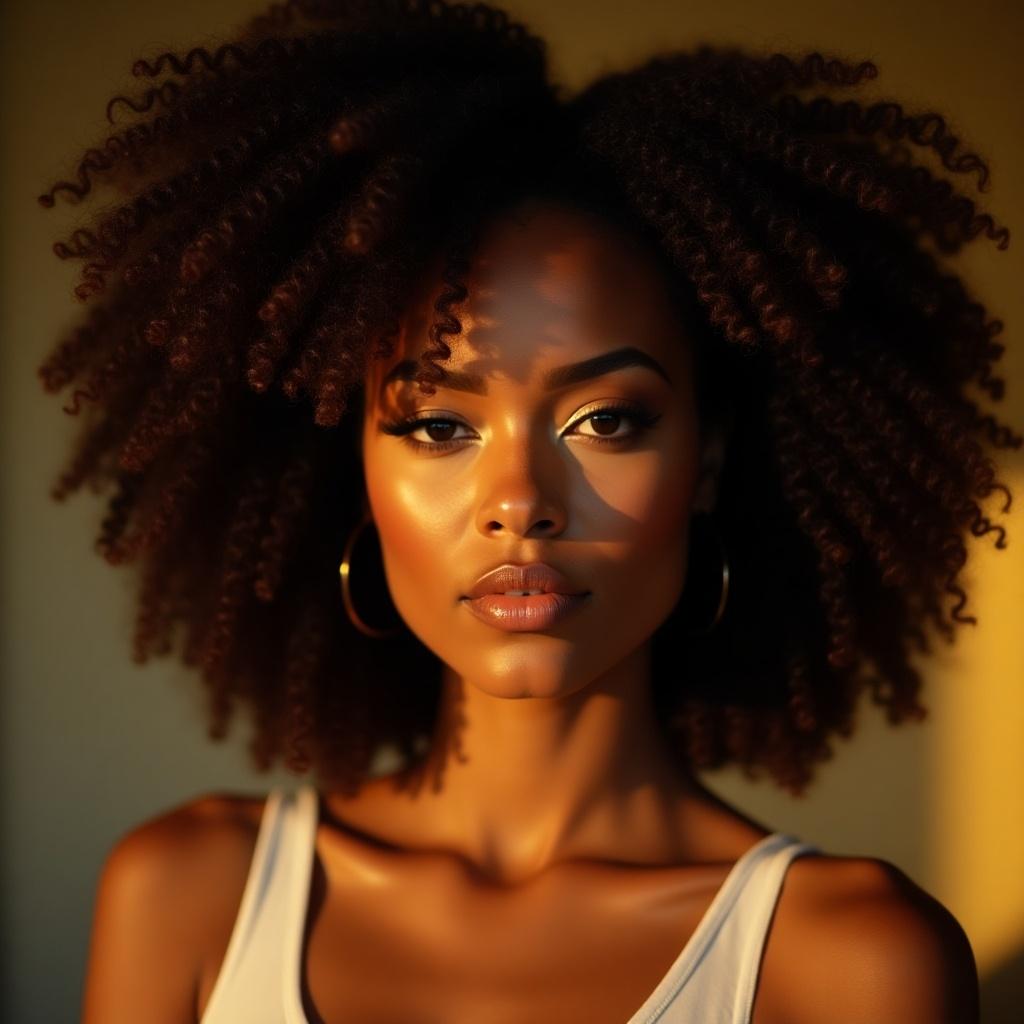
[[91, 744]]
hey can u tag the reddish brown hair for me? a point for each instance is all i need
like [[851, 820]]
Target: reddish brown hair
[[284, 192]]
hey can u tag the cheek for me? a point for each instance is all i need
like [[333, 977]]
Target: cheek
[[639, 521], [417, 535], [642, 501]]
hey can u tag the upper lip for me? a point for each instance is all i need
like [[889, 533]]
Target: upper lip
[[533, 576]]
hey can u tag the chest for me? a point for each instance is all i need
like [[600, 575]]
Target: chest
[[588, 945]]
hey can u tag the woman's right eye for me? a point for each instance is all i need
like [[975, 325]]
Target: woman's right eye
[[405, 428]]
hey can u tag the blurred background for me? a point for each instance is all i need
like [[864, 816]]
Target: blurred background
[[91, 745]]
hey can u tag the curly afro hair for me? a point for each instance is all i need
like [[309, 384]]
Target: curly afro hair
[[281, 198]]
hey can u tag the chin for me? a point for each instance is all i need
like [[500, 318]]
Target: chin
[[510, 676]]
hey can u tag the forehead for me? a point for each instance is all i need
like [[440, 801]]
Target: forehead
[[549, 284]]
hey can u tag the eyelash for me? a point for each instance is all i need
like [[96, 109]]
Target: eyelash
[[639, 415]]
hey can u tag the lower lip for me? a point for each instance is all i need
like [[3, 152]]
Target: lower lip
[[524, 614]]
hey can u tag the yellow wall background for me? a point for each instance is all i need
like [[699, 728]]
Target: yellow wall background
[[91, 744]]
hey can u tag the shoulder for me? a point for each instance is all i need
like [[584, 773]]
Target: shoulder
[[166, 891], [865, 942], [201, 839]]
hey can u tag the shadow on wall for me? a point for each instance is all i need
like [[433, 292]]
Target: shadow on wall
[[1002, 990]]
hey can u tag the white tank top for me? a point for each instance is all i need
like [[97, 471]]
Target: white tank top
[[712, 981]]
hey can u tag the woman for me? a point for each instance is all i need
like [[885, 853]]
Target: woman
[[674, 354]]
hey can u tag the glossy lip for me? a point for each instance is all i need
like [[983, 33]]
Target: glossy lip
[[531, 576], [487, 598], [524, 614]]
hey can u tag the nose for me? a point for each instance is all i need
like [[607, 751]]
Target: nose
[[526, 515], [520, 509]]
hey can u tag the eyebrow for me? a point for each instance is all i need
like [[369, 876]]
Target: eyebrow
[[560, 377]]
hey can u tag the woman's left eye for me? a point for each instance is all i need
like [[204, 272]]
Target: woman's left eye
[[607, 418]]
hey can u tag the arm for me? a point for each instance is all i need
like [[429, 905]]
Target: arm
[[883, 950], [162, 898]]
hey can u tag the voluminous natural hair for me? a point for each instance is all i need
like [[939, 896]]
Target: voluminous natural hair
[[279, 198]]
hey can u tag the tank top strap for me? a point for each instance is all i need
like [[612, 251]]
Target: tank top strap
[[248, 954], [714, 976], [260, 981], [749, 924], [304, 817]]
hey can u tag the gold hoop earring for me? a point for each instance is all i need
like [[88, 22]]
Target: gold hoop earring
[[723, 595], [345, 571]]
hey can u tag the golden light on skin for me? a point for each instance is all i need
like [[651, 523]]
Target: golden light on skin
[[550, 291], [570, 707]]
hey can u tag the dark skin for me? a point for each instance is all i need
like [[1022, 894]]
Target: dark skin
[[566, 859]]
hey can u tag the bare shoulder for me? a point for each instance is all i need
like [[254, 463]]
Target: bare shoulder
[[193, 849], [166, 892], [197, 820], [863, 942]]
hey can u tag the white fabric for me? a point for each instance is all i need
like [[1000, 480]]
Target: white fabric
[[712, 981]]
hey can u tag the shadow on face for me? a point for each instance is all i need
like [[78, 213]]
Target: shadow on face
[[566, 432]]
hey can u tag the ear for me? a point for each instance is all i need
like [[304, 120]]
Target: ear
[[714, 444]]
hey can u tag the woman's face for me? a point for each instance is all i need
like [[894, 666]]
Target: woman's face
[[519, 469]]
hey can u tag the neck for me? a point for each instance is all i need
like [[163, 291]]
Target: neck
[[517, 785]]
